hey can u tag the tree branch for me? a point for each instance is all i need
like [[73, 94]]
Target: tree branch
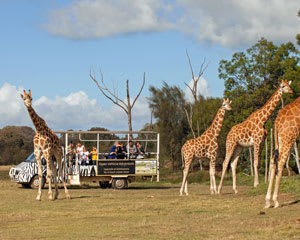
[[190, 118], [112, 94], [189, 87], [139, 92], [103, 91], [202, 69], [190, 64]]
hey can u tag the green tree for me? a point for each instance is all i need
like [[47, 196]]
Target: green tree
[[251, 77], [167, 104], [16, 143]]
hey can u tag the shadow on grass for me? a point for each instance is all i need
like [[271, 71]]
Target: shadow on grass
[[79, 197], [290, 203], [150, 187], [82, 187], [142, 187]]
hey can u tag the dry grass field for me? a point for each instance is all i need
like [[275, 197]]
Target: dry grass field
[[148, 211]]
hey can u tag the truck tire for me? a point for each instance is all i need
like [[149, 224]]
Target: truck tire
[[119, 183], [34, 182]]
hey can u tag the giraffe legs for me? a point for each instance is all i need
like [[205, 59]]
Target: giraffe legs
[[225, 165], [38, 154], [281, 161], [212, 172], [64, 183], [256, 160], [277, 183], [236, 156], [54, 171], [270, 187], [184, 180], [58, 157], [47, 156]]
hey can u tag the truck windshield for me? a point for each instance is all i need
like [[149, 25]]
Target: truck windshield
[[30, 158]]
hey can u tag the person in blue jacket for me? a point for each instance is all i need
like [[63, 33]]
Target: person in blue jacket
[[113, 151]]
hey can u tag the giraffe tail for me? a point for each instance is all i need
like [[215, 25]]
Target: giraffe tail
[[276, 155]]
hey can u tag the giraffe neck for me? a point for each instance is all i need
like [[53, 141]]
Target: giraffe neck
[[37, 121], [265, 111], [217, 122]]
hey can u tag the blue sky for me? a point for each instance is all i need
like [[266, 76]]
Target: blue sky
[[50, 47]]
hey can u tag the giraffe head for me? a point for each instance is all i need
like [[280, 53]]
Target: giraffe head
[[27, 98], [285, 86], [226, 104]]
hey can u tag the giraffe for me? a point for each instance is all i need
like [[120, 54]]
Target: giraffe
[[286, 131], [46, 143], [205, 146], [250, 133]]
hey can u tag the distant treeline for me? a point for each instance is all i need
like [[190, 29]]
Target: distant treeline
[[15, 144]]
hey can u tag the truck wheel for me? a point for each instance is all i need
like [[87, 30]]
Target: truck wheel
[[34, 183], [119, 183]]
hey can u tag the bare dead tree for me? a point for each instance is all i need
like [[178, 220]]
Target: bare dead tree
[[287, 165], [189, 116], [266, 159], [150, 127], [251, 161], [113, 97], [297, 156], [271, 153], [193, 89]]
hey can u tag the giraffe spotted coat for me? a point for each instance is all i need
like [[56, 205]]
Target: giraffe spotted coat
[[205, 146], [250, 133], [46, 143], [286, 132]]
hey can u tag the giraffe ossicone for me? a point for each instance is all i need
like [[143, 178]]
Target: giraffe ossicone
[[46, 144], [205, 146]]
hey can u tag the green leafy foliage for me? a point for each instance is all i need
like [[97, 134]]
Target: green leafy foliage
[[16, 143], [167, 104], [251, 77]]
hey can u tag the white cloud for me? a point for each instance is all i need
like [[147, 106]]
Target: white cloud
[[236, 23], [101, 18], [231, 23], [12, 109], [202, 89], [75, 111]]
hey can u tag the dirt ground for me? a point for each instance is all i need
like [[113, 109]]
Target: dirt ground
[[145, 211]]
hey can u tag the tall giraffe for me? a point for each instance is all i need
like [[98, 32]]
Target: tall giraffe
[[286, 131], [46, 143], [205, 146], [250, 133]]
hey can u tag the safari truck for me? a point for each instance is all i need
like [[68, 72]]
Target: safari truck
[[116, 173], [26, 173]]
